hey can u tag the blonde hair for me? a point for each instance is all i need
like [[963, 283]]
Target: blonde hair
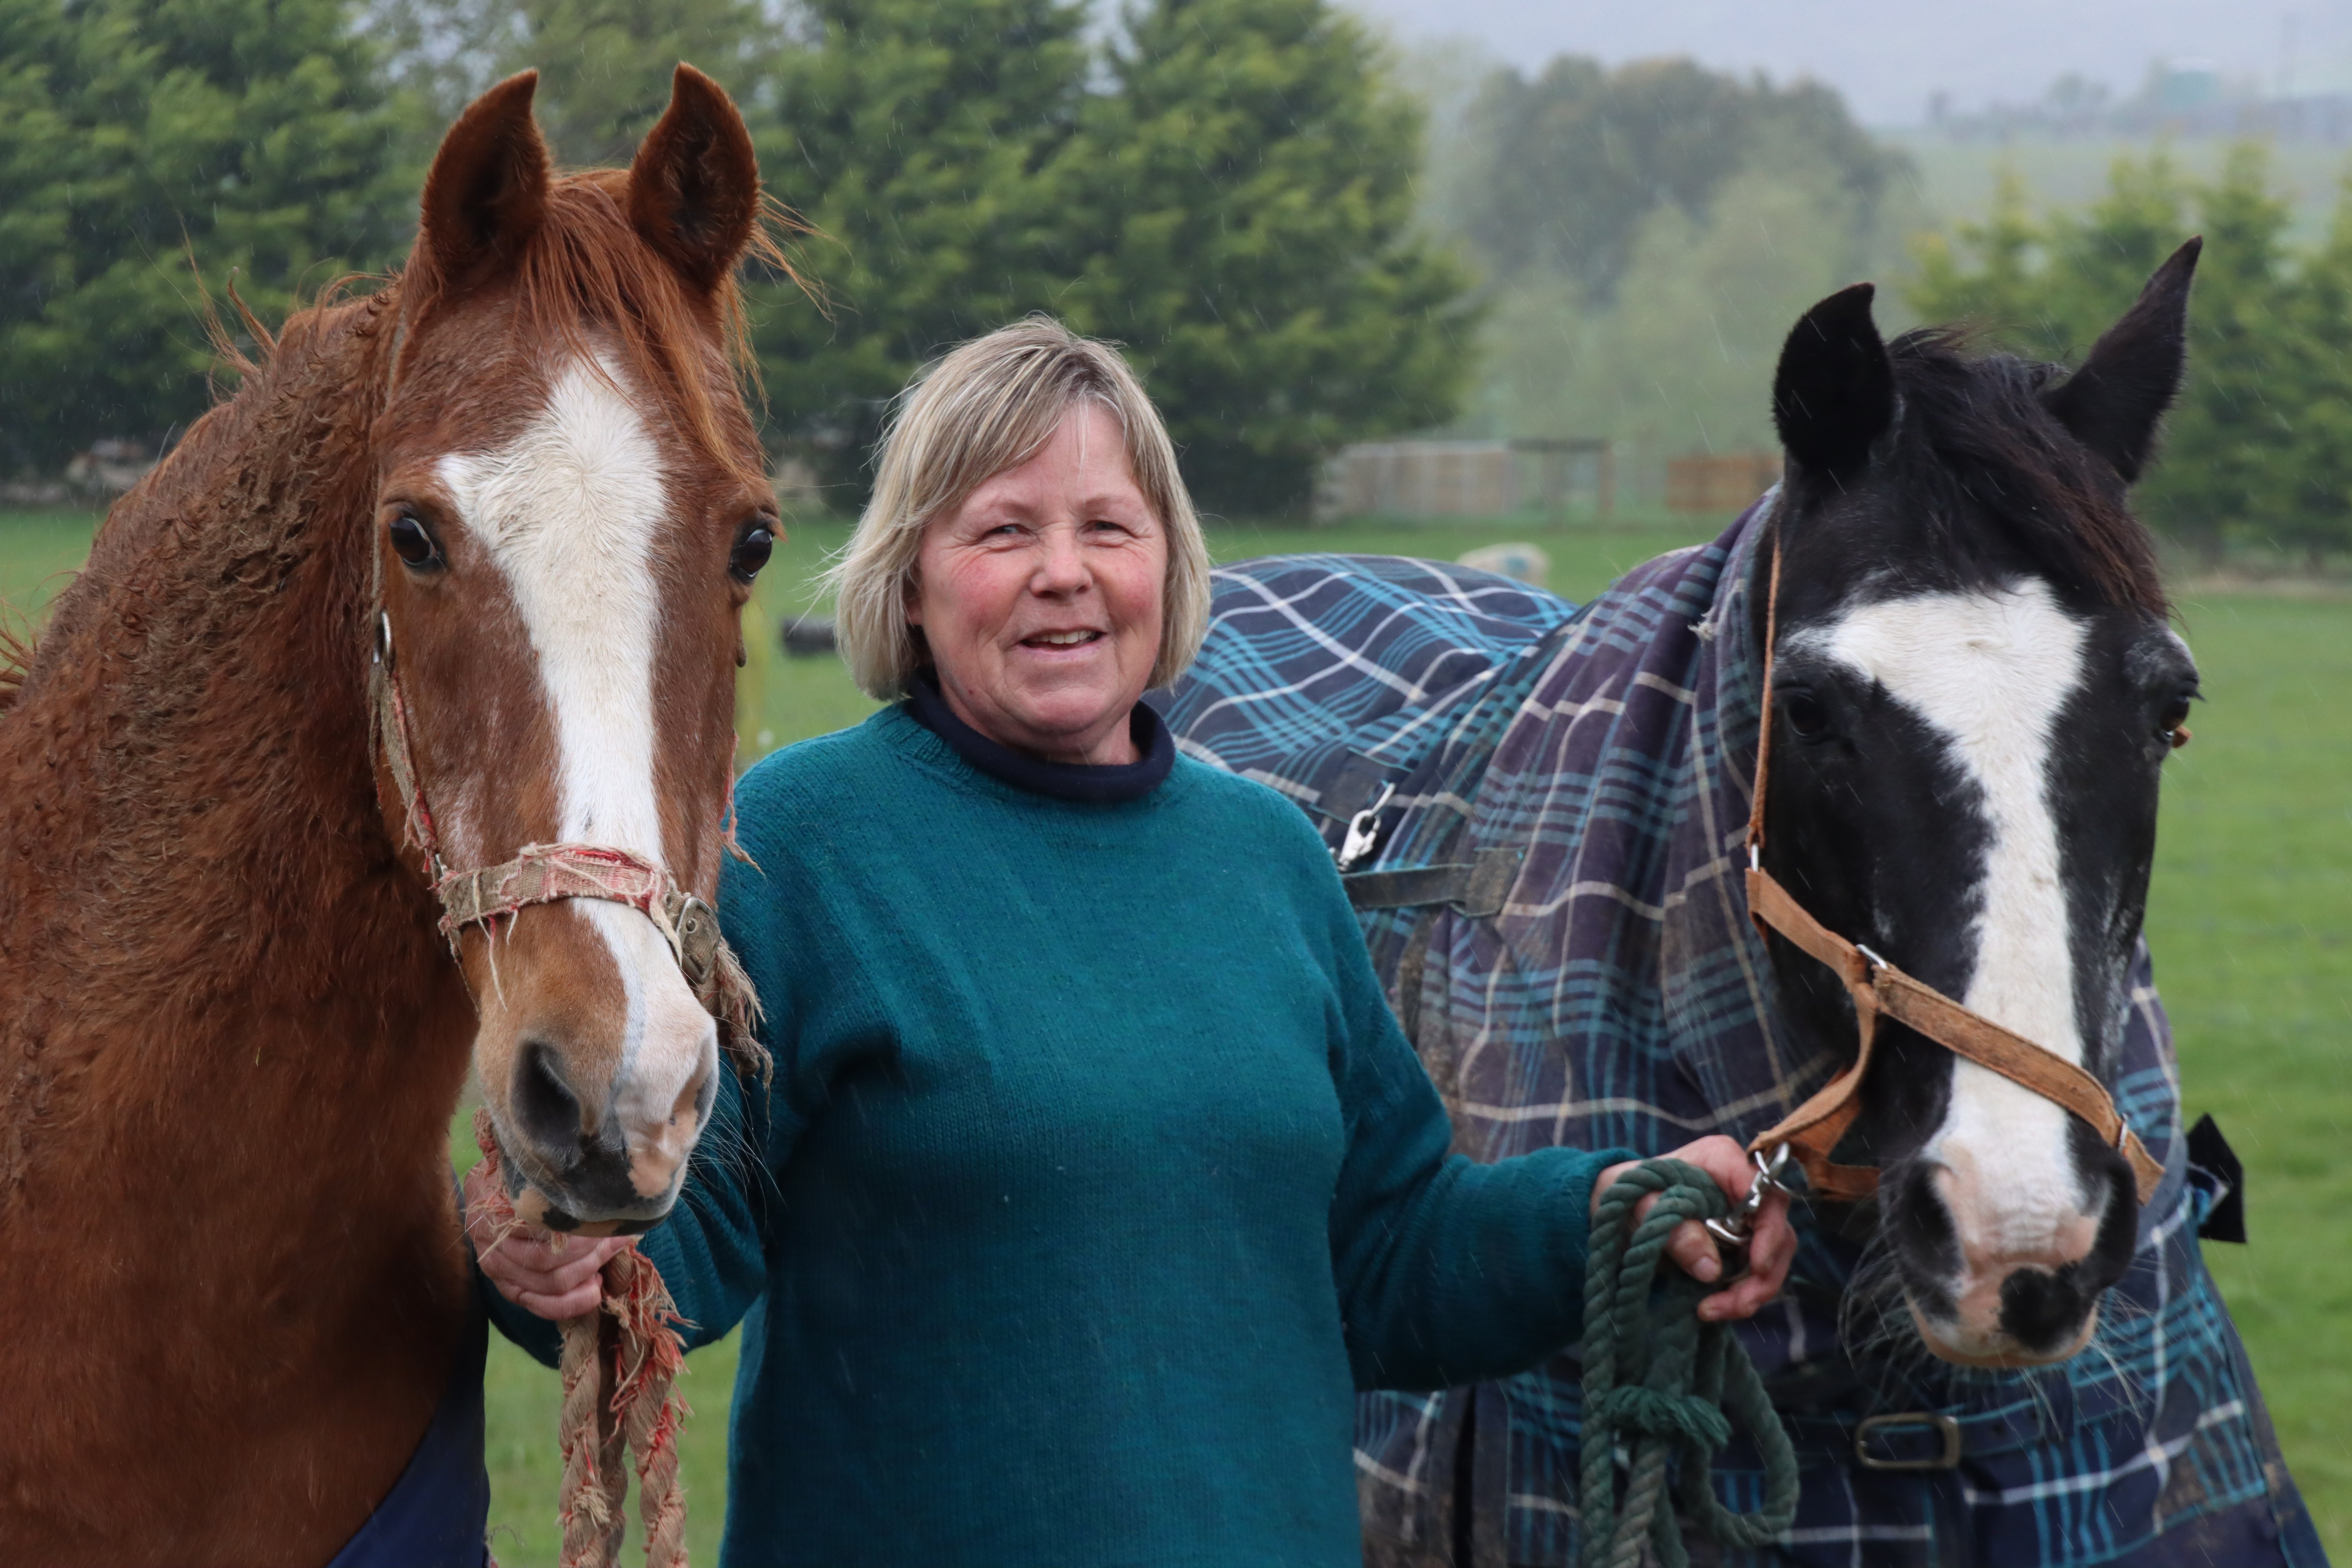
[[988, 406]]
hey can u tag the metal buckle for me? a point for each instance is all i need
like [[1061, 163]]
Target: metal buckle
[[1364, 831], [1944, 1425]]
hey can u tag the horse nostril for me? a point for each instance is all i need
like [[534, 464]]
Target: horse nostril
[[545, 1109], [2041, 1309]]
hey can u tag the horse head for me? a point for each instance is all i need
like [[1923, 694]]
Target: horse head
[[1974, 689], [570, 510]]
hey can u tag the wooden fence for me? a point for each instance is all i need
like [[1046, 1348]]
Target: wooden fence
[[1721, 484], [1468, 479]]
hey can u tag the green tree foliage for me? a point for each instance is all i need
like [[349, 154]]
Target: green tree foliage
[[2252, 450], [1573, 161], [604, 65], [1648, 234], [2316, 389], [1680, 358], [1248, 191], [253, 134], [919, 140]]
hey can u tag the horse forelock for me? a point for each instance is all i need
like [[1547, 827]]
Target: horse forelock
[[1984, 468]]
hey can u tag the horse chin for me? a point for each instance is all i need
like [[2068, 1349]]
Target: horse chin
[[1997, 1351], [533, 1207], [536, 1207]]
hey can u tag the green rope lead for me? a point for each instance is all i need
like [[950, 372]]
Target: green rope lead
[[1670, 1385]]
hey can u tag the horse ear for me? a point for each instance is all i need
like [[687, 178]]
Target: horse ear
[[694, 187], [2112, 403], [1834, 392], [487, 194]]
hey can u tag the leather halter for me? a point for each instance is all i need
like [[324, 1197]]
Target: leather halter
[[544, 873], [1882, 991]]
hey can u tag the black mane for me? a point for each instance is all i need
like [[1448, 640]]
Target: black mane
[[1987, 470]]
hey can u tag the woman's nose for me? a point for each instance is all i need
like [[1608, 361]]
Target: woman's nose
[[1063, 568]]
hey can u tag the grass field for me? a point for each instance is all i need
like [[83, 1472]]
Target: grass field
[[2251, 921]]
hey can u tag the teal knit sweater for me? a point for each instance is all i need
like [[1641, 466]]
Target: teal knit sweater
[[1096, 1179]]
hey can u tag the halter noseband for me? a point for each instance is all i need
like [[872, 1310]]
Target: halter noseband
[[1881, 989]]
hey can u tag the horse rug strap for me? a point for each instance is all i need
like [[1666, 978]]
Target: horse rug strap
[[1882, 991]]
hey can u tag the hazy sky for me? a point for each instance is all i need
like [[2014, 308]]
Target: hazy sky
[[1888, 56]]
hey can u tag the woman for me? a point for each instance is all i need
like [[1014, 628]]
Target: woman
[[1096, 1176]]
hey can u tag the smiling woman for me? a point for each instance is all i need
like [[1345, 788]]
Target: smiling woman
[[1030, 544], [1095, 1175]]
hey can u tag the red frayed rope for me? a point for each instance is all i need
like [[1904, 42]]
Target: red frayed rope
[[620, 1368]]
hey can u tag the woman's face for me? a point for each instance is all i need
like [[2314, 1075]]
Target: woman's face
[[1040, 598]]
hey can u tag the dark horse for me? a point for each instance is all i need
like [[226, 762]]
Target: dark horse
[[2003, 1356], [451, 583]]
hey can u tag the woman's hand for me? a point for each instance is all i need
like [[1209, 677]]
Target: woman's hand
[[526, 1266], [1771, 1247]]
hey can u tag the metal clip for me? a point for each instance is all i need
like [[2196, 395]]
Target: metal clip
[[1364, 831], [1735, 1229]]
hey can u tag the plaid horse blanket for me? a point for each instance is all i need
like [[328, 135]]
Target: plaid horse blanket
[[1583, 972]]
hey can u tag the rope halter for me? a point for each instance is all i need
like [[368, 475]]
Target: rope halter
[[545, 873]]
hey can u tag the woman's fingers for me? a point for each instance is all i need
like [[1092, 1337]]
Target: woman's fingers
[[1693, 1251], [542, 1274], [1771, 1247], [530, 1272]]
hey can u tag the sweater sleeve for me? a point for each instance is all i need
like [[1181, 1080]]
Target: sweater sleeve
[[1449, 1271]]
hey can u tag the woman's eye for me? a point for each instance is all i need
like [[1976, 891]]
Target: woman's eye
[[752, 552], [1806, 716], [412, 544]]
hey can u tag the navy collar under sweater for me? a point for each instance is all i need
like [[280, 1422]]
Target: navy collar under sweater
[[1098, 785]]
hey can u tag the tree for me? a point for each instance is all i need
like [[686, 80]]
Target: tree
[[2226, 437], [1574, 160], [919, 140], [604, 65], [2315, 386], [1246, 194], [2253, 447], [252, 133]]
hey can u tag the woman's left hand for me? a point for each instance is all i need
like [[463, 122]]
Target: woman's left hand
[[1771, 1247]]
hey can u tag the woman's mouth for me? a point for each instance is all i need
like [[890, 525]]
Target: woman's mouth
[[1061, 639]]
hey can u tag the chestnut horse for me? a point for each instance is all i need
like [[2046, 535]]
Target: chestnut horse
[[516, 492]]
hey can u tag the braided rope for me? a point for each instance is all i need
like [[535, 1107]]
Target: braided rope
[[1668, 1386], [619, 1368]]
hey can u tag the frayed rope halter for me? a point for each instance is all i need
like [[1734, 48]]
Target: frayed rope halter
[[620, 1362]]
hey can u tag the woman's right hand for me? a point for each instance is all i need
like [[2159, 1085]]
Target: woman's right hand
[[549, 1276]]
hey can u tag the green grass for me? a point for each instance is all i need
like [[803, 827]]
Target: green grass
[[2251, 921]]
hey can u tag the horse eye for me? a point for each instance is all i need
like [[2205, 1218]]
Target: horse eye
[[412, 544], [2175, 714], [1806, 716], [752, 552]]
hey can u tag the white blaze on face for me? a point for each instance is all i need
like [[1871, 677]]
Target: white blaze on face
[[570, 510], [1990, 672]]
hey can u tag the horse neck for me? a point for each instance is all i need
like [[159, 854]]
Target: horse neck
[[237, 965]]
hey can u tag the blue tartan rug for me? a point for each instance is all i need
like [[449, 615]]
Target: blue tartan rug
[[1620, 996]]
